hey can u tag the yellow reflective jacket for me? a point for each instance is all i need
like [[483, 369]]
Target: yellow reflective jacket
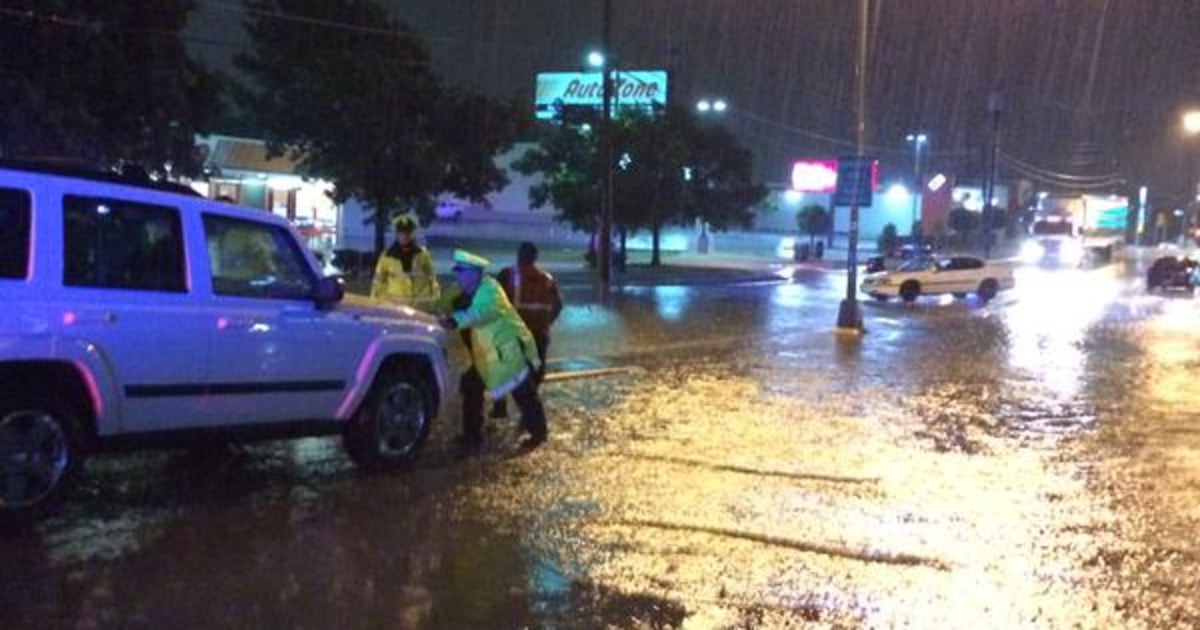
[[502, 349], [394, 285]]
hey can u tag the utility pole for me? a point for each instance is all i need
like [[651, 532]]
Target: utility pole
[[606, 135], [917, 139], [849, 313], [989, 188]]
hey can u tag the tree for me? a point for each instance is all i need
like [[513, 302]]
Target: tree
[[963, 222], [723, 193], [813, 220], [103, 82], [568, 158], [888, 241], [667, 170], [348, 91]]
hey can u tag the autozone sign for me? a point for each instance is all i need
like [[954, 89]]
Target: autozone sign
[[631, 88]]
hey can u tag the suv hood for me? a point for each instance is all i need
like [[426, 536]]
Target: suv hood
[[367, 308]]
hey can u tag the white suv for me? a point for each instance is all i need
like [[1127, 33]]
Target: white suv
[[138, 313]]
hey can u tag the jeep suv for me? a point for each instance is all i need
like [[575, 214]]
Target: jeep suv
[[139, 313]]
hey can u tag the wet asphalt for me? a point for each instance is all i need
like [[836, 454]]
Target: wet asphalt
[[719, 458]]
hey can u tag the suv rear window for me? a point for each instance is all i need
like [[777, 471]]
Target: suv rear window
[[118, 244], [14, 233]]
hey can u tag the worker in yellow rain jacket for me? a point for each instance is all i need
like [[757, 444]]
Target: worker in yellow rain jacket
[[504, 357], [404, 274]]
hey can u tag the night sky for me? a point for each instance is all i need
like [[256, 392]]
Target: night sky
[[1086, 87]]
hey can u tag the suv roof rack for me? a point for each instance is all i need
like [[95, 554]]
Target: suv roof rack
[[82, 169]]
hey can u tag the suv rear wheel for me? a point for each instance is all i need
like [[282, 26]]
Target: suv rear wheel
[[391, 426], [910, 291], [39, 453]]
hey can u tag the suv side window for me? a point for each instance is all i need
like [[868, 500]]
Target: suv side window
[[250, 259], [14, 233], [119, 244]]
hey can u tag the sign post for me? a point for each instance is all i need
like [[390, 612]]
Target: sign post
[[849, 314], [855, 186]]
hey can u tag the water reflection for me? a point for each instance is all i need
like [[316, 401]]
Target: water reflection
[[1048, 323]]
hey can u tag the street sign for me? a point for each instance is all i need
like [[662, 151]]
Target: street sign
[[855, 181]]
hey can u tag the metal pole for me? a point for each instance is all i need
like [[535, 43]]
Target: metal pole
[[849, 314], [917, 186], [989, 190], [606, 204]]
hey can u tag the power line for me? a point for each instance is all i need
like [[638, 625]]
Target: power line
[[1023, 165], [800, 131], [1062, 180]]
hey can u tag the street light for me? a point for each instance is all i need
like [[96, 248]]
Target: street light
[[918, 140], [595, 59], [715, 106], [1191, 122]]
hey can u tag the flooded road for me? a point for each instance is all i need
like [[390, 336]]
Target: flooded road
[[718, 459]]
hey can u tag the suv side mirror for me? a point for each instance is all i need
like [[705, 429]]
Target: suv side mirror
[[329, 291]]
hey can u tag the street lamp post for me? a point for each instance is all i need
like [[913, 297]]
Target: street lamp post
[[849, 311], [606, 209], [707, 107], [917, 140], [1191, 127]]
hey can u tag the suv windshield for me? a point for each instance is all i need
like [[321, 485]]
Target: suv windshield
[[1051, 228]]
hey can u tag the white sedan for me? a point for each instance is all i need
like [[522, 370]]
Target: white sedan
[[959, 275]]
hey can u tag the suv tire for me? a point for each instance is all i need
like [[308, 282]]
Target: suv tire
[[40, 453], [390, 428], [910, 291]]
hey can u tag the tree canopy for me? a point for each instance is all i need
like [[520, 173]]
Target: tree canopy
[[668, 170], [103, 82], [813, 220], [358, 104]]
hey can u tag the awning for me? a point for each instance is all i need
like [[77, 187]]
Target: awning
[[248, 155]]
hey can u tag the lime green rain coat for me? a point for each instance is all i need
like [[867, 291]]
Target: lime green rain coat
[[502, 349], [393, 285]]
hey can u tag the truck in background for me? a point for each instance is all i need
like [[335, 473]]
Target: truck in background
[[1076, 230]]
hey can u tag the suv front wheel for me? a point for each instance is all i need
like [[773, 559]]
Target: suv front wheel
[[39, 453], [391, 426]]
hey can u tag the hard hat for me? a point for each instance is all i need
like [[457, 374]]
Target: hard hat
[[404, 223]]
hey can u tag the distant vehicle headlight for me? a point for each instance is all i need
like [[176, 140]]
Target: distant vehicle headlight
[[1032, 251]]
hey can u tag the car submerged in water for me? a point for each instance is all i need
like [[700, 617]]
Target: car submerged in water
[[957, 275]]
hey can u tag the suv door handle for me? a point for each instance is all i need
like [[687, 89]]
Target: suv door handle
[[73, 318], [235, 323]]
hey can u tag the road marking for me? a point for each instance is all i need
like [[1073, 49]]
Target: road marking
[[554, 377]]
